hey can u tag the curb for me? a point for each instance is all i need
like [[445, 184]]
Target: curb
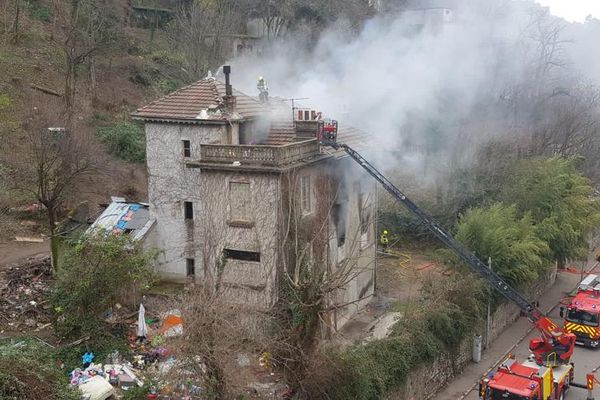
[[507, 353]]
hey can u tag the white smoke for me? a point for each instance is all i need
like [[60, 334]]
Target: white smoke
[[431, 91]]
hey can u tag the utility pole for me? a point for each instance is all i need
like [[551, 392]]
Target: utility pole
[[489, 305]]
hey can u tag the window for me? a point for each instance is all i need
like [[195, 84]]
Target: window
[[305, 194], [240, 201], [241, 255], [187, 148], [190, 267], [188, 207], [582, 317]]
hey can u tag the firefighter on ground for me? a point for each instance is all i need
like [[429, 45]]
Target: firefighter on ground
[[383, 239], [263, 90]]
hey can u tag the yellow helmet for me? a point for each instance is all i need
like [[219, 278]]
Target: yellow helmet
[[385, 232], [260, 78]]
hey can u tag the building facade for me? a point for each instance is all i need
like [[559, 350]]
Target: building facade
[[243, 193]]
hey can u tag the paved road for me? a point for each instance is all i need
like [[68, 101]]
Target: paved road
[[585, 359]]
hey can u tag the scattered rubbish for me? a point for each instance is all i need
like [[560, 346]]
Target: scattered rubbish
[[172, 324], [97, 388], [87, 358], [265, 360], [142, 328], [243, 360], [23, 292], [29, 239]]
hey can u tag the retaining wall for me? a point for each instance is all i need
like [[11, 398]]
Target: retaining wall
[[427, 380]]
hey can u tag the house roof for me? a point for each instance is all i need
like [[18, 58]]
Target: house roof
[[123, 217], [200, 101]]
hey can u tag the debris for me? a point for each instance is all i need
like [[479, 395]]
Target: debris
[[23, 289], [97, 388], [29, 239], [142, 328], [243, 360], [172, 324]]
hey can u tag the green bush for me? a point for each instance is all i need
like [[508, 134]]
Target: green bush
[[94, 275], [518, 254], [124, 140], [39, 10], [368, 372], [560, 201], [28, 370]]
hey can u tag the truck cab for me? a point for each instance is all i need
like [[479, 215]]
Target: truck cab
[[526, 381], [582, 315]]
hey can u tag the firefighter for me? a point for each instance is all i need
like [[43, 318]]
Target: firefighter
[[263, 90], [383, 239]]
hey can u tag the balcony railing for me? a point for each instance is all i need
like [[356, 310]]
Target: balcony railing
[[276, 156]]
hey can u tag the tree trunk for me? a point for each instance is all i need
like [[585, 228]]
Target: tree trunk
[[16, 21], [53, 239], [69, 82]]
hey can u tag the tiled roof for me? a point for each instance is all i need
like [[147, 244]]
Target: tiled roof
[[202, 100]]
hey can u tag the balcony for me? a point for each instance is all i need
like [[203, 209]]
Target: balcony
[[268, 156]]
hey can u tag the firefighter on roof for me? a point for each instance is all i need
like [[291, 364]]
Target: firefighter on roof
[[383, 239], [263, 90]]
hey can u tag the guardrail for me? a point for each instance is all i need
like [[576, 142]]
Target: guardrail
[[261, 155]]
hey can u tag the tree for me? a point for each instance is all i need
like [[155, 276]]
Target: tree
[[497, 232], [98, 271], [560, 201], [56, 161], [201, 31], [86, 32]]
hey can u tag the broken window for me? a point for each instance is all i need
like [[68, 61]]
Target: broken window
[[188, 208], [305, 194], [187, 148], [241, 255], [240, 201], [190, 267], [340, 212], [364, 214]]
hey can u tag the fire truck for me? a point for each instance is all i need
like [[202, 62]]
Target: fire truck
[[582, 315], [548, 372], [526, 381]]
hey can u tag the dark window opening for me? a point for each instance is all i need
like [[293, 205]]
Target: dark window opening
[[582, 317], [187, 148], [189, 209], [241, 255], [340, 212], [190, 267], [339, 220]]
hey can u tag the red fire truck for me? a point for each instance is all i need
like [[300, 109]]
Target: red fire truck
[[526, 381], [582, 315]]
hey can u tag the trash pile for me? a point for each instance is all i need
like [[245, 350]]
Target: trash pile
[[23, 289]]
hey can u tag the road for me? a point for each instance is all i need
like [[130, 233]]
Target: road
[[516, 335]]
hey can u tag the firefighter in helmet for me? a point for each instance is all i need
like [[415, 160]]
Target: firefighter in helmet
[[383, 239], [263, 90]]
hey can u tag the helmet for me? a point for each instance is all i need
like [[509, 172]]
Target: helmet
[[385, 232], [260, 78]]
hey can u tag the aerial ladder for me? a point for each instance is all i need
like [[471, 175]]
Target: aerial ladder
[[555, 346]]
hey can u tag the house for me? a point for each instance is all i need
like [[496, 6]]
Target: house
[[243, 193]]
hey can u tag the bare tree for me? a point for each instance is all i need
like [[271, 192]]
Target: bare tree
[[56, 161], [202, 31], [86, 32]]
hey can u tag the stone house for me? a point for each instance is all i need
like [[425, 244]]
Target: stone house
[[242, 191]]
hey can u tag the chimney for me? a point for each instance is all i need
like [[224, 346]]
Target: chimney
[[229, 98]]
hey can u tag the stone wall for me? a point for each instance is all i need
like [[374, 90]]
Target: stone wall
[[447, 366]]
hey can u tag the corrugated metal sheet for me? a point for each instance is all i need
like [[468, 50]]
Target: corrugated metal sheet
[[120, 217]]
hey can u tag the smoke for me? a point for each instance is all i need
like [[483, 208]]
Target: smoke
[[430, 87]]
